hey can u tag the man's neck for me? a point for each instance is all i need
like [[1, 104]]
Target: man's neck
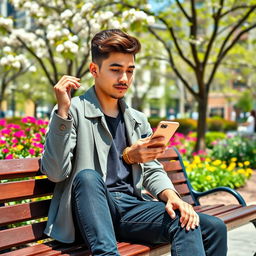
[[109, 105]]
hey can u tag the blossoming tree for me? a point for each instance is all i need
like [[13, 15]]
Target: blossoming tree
[[12, 62], [197, 36], [58, 38]]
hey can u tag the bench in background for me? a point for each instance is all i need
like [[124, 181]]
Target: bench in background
[[25, 238]]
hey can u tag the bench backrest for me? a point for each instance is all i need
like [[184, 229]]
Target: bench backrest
[[31, 197]]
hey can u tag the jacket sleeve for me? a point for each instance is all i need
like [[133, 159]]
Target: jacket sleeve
[[155, 178], [59, 148]]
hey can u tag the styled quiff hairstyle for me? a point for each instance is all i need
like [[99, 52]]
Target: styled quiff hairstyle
[[112, 40]]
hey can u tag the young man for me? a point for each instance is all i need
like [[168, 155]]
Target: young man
[[99, 153]]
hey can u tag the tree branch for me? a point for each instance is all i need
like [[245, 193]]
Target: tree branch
[[39, 60], [171, 61], [183, 10], [237, 8], [224, 53], [193, 33], [239, 23], [214, 34]]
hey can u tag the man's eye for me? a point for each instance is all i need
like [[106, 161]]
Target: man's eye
[[115, 70], [130, 71]]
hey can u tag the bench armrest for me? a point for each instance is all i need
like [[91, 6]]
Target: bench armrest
[[233, 192]]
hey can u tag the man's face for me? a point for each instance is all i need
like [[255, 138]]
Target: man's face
[[115, 76]]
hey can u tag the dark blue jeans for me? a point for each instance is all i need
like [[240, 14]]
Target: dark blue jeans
[[104, 217]]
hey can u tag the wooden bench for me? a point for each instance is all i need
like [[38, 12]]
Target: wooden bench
[[27, 238]]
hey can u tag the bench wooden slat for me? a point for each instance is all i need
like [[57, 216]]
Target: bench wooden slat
[[238, 217], [201, 208], [21, 235], [223, 209], [169, 154], [182, 189], [171, 166], [177, 177], [25, 189], [50, 253], [22, 212], [29, 251], [188, 199], [17, 168]]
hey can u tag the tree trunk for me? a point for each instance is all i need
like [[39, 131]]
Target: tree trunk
[[201, 124]]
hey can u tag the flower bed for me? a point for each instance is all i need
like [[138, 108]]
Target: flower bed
[[22, 140]]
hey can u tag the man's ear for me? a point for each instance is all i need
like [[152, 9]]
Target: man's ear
[[94, 68]]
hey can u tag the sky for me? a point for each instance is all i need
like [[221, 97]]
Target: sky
[[157, 5]]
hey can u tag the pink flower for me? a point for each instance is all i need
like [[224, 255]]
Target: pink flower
[[38, 135], [183, 151], [2, 142], [6, 131], [13, 126], [38, 145], [10, 156], [14, 140], [19, 134], [5, 150], [43, 130], [2, 122], [31, 151], [28, 119]]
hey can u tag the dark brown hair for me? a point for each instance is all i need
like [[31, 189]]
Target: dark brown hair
[[112, 40]]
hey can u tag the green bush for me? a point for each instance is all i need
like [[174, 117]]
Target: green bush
[[219, 124], [212, 137], [215, 124], [239, 148], [154, 121], [186, 125], [230, 125]]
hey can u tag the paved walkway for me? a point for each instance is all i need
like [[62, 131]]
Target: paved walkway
[[242, 241]]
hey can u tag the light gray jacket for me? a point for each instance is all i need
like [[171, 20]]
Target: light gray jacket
[[83, 142]]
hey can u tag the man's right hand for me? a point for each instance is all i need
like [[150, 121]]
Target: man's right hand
[[145, 150], [63, 93]]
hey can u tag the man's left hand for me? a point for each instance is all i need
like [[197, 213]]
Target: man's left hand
[[189, 218]]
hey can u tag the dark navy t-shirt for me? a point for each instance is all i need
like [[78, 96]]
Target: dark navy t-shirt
[[119, 174]]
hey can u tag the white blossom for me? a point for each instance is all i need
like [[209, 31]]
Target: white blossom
[[150, 20], [66, 14], [32, 69], [86, 8], [7, 49], [114, 23], [60, 48], [73, 38], [6, 23], [16, 64]]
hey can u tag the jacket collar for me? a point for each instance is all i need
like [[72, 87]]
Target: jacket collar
[[92, 107]]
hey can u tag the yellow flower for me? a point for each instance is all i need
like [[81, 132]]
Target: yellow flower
[[211, 168], [242, 171], [208, 177], [186, 163], [240, 165], [223, 166], [246, 163], [19, 147], [217, 162], [208, 160], [197, 159], [233, 159]]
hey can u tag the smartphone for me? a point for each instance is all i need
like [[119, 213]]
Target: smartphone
[[165, 129]]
